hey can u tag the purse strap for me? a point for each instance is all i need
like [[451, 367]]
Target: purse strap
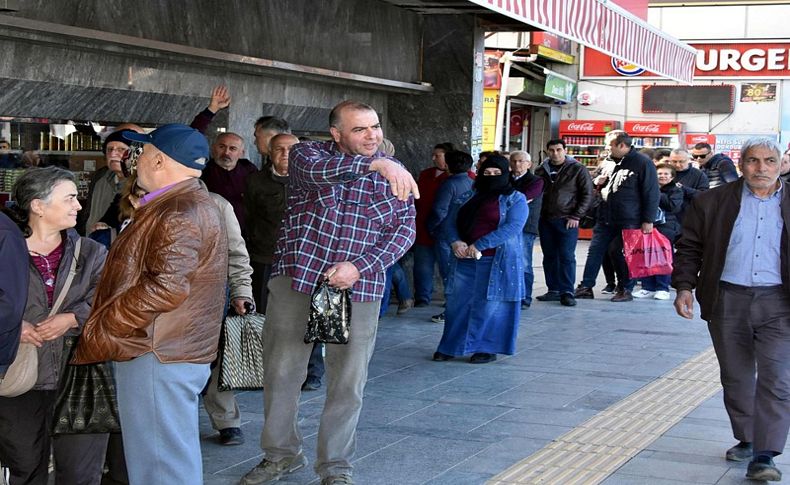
[[69, 279]]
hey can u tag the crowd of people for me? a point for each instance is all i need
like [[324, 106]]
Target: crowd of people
[[181, 233]]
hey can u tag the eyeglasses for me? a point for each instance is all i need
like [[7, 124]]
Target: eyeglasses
[[129, 159], [700, 155]]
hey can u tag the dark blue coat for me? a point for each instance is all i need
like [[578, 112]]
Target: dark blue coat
[[13, 289]]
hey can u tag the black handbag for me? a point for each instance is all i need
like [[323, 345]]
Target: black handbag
[[241, 358], [86, 400], [330, 315], [590, 218]]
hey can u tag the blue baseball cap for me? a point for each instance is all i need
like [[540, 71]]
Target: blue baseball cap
[[183, 144]]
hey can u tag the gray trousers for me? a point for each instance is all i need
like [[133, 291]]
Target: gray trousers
[[286, 357], [222, 409], [750, 329]]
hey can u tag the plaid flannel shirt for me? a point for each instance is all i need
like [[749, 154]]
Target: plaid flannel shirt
[[338, 210]]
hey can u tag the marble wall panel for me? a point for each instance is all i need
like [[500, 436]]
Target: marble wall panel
[[359, 36]]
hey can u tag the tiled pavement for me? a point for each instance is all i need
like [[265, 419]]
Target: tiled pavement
[[455, 423]]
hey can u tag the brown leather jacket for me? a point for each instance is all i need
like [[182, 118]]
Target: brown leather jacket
[[163, 286], [701, 251]]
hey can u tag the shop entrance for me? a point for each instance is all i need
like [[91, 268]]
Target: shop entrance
[[529, 126]]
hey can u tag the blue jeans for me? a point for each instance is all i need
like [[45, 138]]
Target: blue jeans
[[606, 238], [158, 406], [424, 262], [656, 283], [395, 277], [529, 275], [559, 254]]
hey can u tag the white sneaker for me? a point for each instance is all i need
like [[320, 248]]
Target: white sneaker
[[643, 294], [661, 295]]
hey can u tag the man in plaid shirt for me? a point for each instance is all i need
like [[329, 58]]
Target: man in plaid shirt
[[350, 215]]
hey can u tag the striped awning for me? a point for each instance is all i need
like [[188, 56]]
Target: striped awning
[[603, 25]]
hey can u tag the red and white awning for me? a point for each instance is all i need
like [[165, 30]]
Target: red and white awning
[[603, 25]]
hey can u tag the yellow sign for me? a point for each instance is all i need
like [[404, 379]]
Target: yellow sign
[[549, 53], [490, 99]]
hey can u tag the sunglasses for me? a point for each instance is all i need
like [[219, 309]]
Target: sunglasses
[[129, 159], [698, 156]]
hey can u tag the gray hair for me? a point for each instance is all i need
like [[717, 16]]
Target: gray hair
[[35, 183], [527, 156], [761, 142], [681, 151]]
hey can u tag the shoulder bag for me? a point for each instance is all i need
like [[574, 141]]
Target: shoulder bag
[[23, 372], [86, 401]]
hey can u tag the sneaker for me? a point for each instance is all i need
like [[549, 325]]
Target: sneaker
[[231, 436], [643, 294], [584, 293], [567, 300], [438, 318], [609, 289], [312, 383], [763, 468], [662, 295], [740, 452], [482, 358], [341, 479], [271, 471], [405, 306], [549, 296], [621, 296]]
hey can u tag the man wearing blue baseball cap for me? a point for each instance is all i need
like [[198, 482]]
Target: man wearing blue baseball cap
[[158, 309]]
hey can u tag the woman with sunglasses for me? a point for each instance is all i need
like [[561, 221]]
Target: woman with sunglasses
[[485, 281], [46, 212]]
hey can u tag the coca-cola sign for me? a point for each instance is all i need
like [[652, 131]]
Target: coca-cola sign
[[645, 128], [581, 127]]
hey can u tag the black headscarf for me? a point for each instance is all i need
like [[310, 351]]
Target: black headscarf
[[486, 187]]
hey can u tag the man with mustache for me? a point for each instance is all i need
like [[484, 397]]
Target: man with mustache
[[226, 173]]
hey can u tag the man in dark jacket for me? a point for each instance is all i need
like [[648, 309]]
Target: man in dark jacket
[[531, 186], [567, 196], [266, 196], [13, 289], [735, 251], [719, 168], [692, 181], [629, 200]]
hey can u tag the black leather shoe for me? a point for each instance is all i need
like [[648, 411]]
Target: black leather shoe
[[550, 296], [763, 468], [312, 383], [740, 452], [482, 358], [231, 436], [440, 357], [567, 300], [584, 293]]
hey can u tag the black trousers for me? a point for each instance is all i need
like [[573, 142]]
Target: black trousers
[[25, 444], [750, 329]]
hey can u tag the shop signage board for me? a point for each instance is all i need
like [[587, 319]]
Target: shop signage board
[[758, 92], [694, 138], [558, 88], [649, 127], [551, 46], [715, 59]]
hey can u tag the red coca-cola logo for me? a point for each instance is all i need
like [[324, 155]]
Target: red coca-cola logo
[[651, 128], [699, 138], [581, 127]]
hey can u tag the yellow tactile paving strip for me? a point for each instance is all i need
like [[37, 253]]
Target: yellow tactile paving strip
[[591, 452]]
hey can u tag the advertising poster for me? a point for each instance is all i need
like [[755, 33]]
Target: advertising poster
[[730, 143], [758, 92]]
